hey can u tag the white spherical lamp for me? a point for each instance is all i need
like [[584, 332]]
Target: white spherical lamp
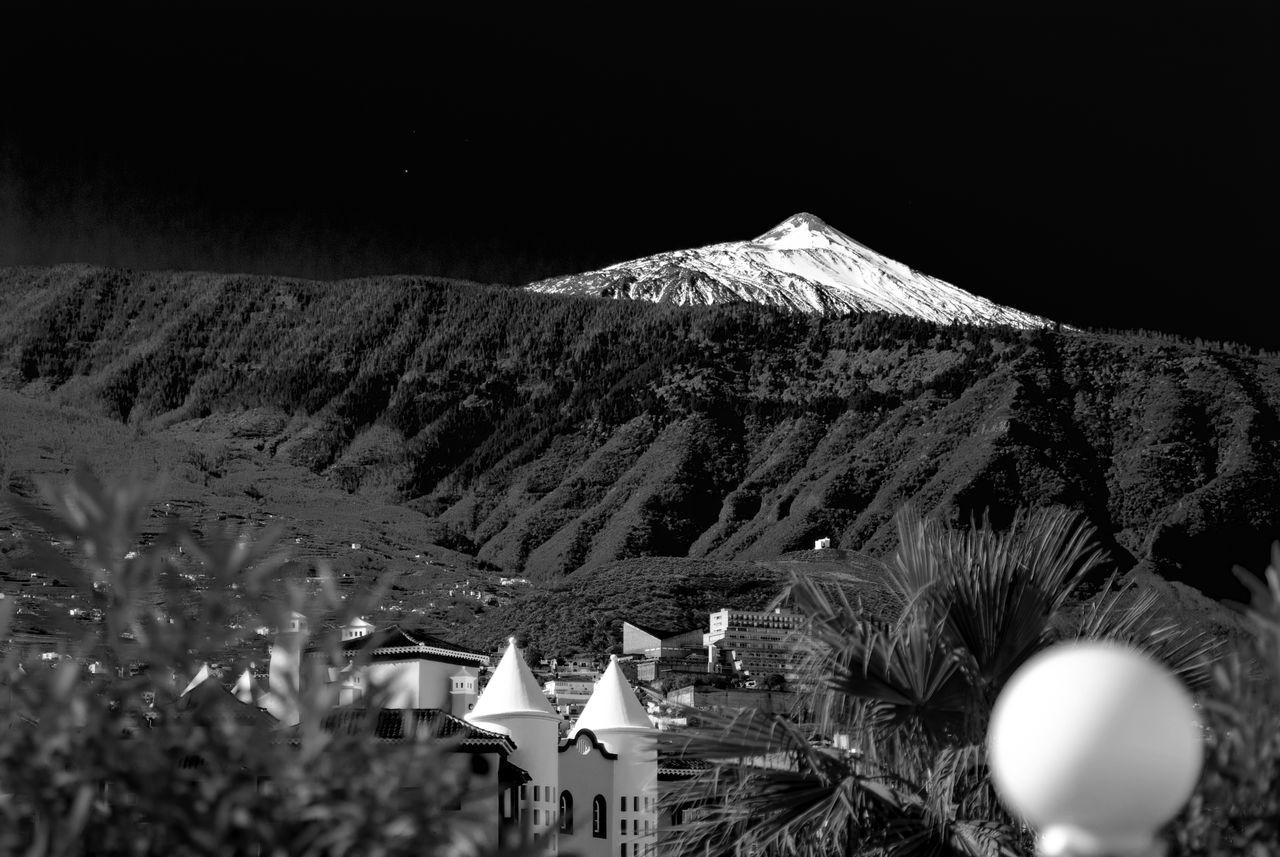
[[1096, 746]]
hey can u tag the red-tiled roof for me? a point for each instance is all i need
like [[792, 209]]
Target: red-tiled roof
[[512, 775], [395, 724], [209, 700], [396, 643], [679, 768]]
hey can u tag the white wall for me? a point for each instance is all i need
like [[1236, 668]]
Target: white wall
[[412, 683], [537, 740], [634, 775]]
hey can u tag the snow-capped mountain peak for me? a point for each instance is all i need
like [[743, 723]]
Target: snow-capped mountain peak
[[801, 264], [802, 231]]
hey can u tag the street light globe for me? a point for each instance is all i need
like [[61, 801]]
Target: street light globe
[[1096, 746]]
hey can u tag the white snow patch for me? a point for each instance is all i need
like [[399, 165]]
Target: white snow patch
[[803, 265]]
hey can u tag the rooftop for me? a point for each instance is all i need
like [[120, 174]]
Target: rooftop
[[613, 706], [396, 724], [397, 643], [511, 690]]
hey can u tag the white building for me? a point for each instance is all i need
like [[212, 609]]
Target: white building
[[426, 693], [609, 775], [356, 629], [594, 792], [569, 690], [411, 669], [512, 704], [752, 644], [655, 644], [285, 670]]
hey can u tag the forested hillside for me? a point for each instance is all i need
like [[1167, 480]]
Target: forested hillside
[[545, 435]]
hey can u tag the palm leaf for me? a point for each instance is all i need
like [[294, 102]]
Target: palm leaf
[[1125, 614], [885, 751], [997, 590]]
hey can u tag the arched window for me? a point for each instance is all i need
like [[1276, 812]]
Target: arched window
[[599, 817], [566, 812]]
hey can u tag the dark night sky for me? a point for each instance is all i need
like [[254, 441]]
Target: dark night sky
[[1100, 170]]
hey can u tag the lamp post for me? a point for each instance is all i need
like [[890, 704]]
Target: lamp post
[[1096, 746]]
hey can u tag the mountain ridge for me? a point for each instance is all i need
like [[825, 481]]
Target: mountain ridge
[[802, 264], [544, 435]]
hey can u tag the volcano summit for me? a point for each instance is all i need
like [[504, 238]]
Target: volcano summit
[[802, 265]]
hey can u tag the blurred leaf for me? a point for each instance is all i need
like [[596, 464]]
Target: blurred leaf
[[124, 764]]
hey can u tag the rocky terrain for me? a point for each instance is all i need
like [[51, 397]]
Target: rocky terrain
[[548, 437]]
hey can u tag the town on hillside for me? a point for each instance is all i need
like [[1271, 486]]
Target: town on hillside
[[566, 742]]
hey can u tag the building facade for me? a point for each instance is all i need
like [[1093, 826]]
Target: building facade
[[657, 644], [594, 790], [569, 693], [609, 768], [752, 644]]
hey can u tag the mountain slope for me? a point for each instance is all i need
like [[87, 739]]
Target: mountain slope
[[545, 435], [803, 265]]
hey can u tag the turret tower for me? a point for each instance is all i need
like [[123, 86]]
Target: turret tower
[[611, 770], [513, 704], [284, 676]]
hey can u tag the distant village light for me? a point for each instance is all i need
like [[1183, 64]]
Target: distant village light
[[1096, 746]]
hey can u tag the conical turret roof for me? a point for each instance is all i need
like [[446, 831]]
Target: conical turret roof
[[247, 689], [613, 706], [511, 690], [201, 676]]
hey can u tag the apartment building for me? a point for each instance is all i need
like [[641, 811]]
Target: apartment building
[[752, 644]]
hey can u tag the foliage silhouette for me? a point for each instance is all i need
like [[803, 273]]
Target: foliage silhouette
[[885, 753], [121, 762], [1236, 808]]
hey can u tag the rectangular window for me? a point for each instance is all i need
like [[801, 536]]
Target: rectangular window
[[537, 816], [635, 849], [635, 803], [537, 792], [622, 850], [624, 803], [510, 807], [524, 792], [623, 822]]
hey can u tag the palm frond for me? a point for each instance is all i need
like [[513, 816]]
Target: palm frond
[[767, 788], [998, 590], [884, 754], [906, 676], [1125, 614]]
